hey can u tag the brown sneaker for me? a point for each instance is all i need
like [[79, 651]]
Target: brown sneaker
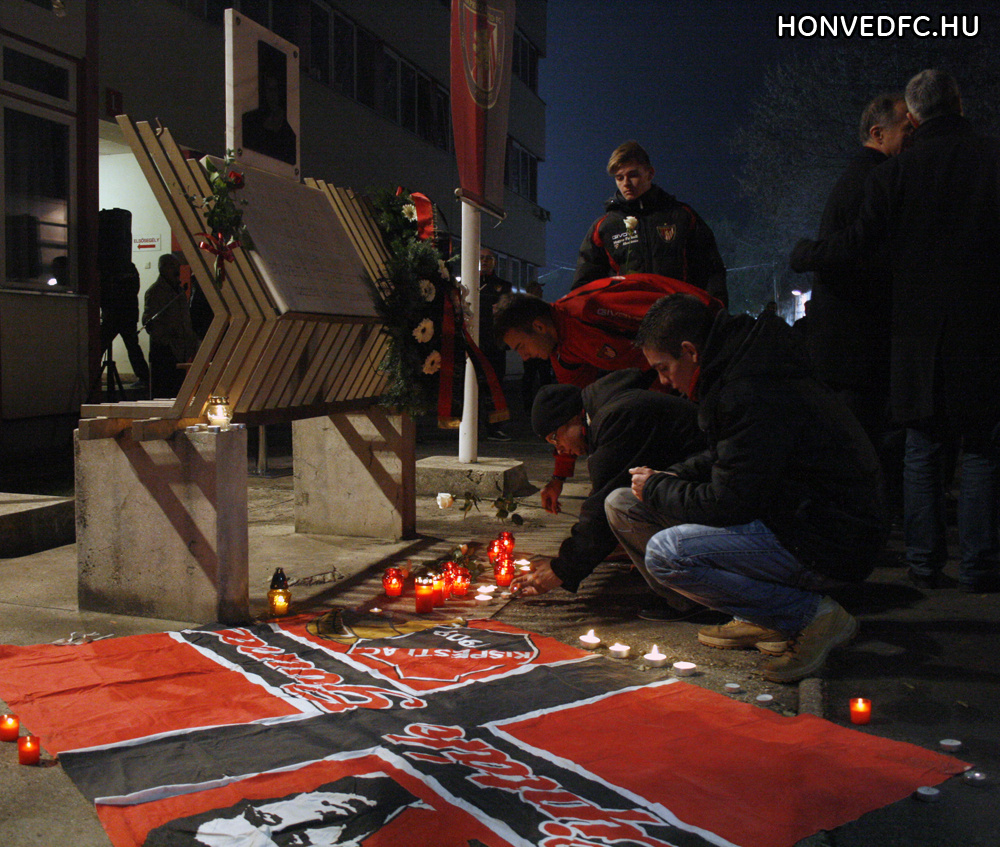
[[809, 649], [741, 635]]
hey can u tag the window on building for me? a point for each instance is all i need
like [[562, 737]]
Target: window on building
[[369, 64], [521, 175], [319, 44], [524, 61], [408, 96], [390, 86], [343, 55]]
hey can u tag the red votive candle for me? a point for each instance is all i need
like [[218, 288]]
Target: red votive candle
[[460, 582], [438, 592], [503, 571], [392, 582], [861, 710], [29, 751], [506, 539], [494, 550], [423, 588], [10, 727]]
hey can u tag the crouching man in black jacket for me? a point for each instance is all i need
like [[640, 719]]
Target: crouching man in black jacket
[[617, 424], [784, 505]]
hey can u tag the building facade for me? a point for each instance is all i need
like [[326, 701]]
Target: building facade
[[375, 114]]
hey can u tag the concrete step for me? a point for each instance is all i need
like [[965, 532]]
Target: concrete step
[[30, 523]]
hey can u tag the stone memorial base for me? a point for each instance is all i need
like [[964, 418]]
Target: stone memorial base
[[161, 526], [354, 475], [487, 478]]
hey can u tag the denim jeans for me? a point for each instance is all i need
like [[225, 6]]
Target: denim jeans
[[924, 511], [741, 570]]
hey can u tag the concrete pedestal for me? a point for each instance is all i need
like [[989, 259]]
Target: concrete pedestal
[[354, 475], [487, 478], [161, 526]]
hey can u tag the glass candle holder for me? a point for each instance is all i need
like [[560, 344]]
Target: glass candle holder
[[392, 582], [10, 727], [437, 592], [423, 587], [29, 750], [506, 539], [460, 582], [504, 571], [219, 412], [279, 600], [861, 710], [494, 550]]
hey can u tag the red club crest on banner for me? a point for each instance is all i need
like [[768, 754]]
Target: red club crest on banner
[[482, 38]]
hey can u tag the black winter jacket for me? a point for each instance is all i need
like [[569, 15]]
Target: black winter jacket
[[628, 426], [783, 450], [670, 239]]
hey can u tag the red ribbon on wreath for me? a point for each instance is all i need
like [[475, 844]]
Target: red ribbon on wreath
[[222, 251]]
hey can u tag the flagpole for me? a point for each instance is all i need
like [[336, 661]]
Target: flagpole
[[468, 431]]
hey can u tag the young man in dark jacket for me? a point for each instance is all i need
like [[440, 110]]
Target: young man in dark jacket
[[784, 505], [646, 230], [617, 424]]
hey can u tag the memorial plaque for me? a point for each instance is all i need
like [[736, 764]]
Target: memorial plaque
[[301, 250]]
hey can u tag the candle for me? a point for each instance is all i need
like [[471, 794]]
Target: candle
[[392, 582], [484, 599], [28, 750], [733, 688], [460, 581], [950, 744], [278, 601], [861, 710], [423, 587], [684, 668], [927, 793], [503, 571], [487, 589], [974, 777], [506, 540], [619, 650], [523, 563], [590, 641], [654, 658], [493, 551], [764, 698], [437, 595], [10, 727]]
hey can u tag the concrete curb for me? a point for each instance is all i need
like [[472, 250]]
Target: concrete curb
[[811, 696]]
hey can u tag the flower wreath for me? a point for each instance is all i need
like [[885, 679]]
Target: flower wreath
[[421, 307]]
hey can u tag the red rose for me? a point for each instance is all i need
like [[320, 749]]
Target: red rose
[[236, 179]]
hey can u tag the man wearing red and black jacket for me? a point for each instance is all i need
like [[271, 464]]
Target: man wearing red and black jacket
[[646, 230], [584, 335]]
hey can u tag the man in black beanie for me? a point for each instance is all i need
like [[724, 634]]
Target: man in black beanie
[[618, 424]]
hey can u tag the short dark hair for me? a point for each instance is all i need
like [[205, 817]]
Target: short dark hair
[[932, 93], [630, 151], [881, 111], [672, 320], [519, 311]]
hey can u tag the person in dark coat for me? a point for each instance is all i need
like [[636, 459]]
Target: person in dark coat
[[784, 505], [853, 303], [618, 424], [646, 230], [491, 289], [936, 205]]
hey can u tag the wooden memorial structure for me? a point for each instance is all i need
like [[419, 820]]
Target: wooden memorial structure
[[161, 509]]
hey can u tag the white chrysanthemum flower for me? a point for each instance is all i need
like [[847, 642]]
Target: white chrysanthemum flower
[[444, 270], [424, 331], [410, 212], [631, 223], [432, 364], [427, 290], [445, 500]]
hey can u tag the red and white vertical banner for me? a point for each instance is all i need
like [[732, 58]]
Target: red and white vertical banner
[[482, 41]]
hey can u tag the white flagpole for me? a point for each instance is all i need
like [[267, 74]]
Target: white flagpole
[[468, 431]]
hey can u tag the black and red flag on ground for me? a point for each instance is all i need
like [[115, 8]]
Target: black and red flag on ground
[[482, 40], [432, 734]]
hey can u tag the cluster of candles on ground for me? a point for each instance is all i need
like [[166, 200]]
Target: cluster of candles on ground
[[29, 748], [453, 580]]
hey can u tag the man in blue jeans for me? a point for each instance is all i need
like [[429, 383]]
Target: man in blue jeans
[[785, 505]]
